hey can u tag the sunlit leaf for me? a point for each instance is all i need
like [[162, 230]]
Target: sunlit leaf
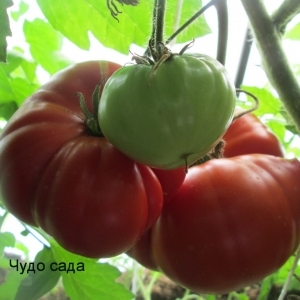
[[4, 27], [75, 19], [96, 281], [42, 280], [45, 45]]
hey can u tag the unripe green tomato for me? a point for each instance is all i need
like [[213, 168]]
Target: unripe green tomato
[[170, 117]]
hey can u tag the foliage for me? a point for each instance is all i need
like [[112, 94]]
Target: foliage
[[37, 56]]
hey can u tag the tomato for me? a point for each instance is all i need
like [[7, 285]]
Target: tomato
[[170, 180], [170, 116], [248, 135], [233, 222], [142, 252], [54, 173]]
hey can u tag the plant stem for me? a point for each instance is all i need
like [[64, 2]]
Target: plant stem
[[285, 13], [222, 12], [191, 20], [160, 21], [289, 278], [273, 58], [244, 59]]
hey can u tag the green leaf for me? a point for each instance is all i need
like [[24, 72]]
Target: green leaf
[[21, 89], [9, 289], [45, 45], [7, 239], [17, 81], [294, 33], [20, 246], [38, 283], [5, 87], [79, 17], [268, 104], [96, 281], [4, 27], [23, 8], [197, 29]]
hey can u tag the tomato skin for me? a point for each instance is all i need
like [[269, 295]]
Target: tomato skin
[[248, 135], [142, 252], [170, 180], [233, 222], [169, 118], [77, 187]]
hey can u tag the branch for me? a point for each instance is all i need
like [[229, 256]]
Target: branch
[[222, 12], [247, 45], [273, 57], [285, 13]]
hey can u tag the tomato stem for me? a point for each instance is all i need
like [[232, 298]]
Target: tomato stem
[[160, 22], [222, 12], [91, 119], [191, 20], [274, 59], [155, 45]]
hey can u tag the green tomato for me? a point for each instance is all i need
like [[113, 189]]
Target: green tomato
[[168, 117]]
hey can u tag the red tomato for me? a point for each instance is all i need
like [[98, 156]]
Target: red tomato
[[248, 135], [54, 174], [142, 252], [233, 222], [170, 180]]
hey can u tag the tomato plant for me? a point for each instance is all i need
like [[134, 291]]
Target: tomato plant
[[233, 222], [63, 172], [247, 135], [167, 116], [54, 173]]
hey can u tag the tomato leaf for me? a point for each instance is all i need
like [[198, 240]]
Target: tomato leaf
[[17, 82], [45, 53], [9, 289], [23, 8], [7, 239], [38, 283], [294, 33], [4, 27], [79, 17], [268, 104], [189, 8], [96, 281]]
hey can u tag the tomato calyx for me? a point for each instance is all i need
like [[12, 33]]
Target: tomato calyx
[[91, 119], [215, 153], [159, 54]]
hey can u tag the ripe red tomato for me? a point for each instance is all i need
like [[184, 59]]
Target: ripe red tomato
[[170, 180], [248, 135], [142, 252], [233, 222], [55, 174]]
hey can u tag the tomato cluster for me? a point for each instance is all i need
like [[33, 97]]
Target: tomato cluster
[[222, 225]]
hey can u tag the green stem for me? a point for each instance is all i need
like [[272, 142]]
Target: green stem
[[222, 12], [290, 276], [91, 119], [160, 22], [191, 20], [241, 70], [285, 13], [40, 232], [273, 57]]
